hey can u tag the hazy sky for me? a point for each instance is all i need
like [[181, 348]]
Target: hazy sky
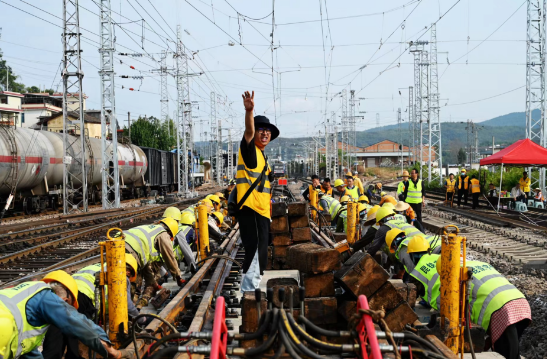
[[308, 55]]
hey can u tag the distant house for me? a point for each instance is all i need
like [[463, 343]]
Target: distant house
[[54, 123], [352, 148], [39, 105], [383, 151], [11, 112]]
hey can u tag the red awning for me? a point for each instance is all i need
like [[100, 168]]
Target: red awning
[[521, 153]]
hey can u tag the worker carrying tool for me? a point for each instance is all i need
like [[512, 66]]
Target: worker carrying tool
[[402, 186], [450, 186], [475, 190], [55, 342], [351, 189], [152, 247], [414, 194], [315, 184], [185, 237], [341, 188], [326, 187], [463, 186], [254, 177], [29, 309], [368, 229], [496, 305]]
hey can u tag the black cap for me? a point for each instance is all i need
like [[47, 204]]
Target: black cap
[[263, 121]]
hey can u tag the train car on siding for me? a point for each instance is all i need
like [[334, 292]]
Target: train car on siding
[[162, 171]]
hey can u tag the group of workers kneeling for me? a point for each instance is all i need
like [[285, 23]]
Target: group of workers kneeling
[[59, 310], [495, 304]]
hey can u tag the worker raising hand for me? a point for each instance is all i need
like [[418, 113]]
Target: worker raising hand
[[248, 101]]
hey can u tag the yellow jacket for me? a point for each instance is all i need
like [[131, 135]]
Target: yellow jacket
[[525, 184]]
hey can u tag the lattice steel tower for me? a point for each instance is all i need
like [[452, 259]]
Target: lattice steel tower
[[230, 156], [220, 159], [164, 93], [213, 134], [424, 106], [535, 79], [411, 119], [345, 130], [109, 126], [74, 148], [352, 128], [416, 49], [435, 148], [184, 115]]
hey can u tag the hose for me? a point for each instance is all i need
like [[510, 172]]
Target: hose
[[220, 256], [164, 340], [271, 338], [294, 339], [165, 352], [423, 342], [267, 318], [318, 330], [313, 341], [280, 351], [135, 324], [287, 343]]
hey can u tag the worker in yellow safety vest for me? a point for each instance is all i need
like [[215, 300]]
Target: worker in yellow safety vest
[[356, 181], [415, 194], [352, 190], [524, 183], [493, 300], [315, 184], [475, 190], [30, 309], [341, 188], [402, 186], [463, 186], [450, 186], [326, 187]]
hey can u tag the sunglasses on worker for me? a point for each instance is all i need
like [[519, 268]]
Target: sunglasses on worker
[[264, 130]]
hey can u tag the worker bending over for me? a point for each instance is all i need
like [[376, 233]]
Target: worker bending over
[[405, 210], [496, 304], [28, 310], [398, 243], [386, 198], [230, 188], [368, 229], [152, 247], [330, 205], [185, 237], [315, 184], [463, 186]]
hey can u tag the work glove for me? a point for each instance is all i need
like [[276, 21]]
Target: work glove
[[180, 282]]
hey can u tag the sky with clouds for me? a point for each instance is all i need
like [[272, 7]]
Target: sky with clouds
[[320, 48]]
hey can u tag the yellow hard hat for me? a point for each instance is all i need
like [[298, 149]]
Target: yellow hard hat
[[371, 215], [213, 198], [349, 174], [172, 212], [187, 218], [389, 205], [208, 203], [382, 194], [344, 199], [418, 244], [463, 170], [362, 207], [391, 235], [219, 216], [390, 199], [405, 174], [363, 198], [384, 212], [172, 225], [65, 279], [339, 182], [379, 185], [129, 259], [220, 195]]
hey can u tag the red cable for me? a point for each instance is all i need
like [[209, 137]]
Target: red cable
[[190, 354], [410, 351]]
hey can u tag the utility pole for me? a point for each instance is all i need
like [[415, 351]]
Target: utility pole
[[469, 129], [416, 48], [535, 80], [214, 133], [435, 148], [411, 119], [220, 158], [352, 133], [183, 115], [230, 156], [110, 172], [399, 122], [377, 120], [425, 136], [74, 159], [345, 130]]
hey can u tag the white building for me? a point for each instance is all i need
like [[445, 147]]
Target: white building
[[10, 108]]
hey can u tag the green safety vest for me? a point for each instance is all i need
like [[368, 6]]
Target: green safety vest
[[333, 206], [344, 216], [141, 239], [490, 290], [400, 217], [190, 209], [354, 192], [28, 337], [400, 223], [85, 279], [184, 229], [401, 188], [414, 194]]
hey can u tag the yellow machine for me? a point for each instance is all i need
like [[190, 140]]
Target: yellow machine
[[115, 278], [454, 278], [202, 224], [314, 202], [352, 221]]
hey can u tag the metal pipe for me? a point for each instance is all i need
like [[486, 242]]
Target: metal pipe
[[203, 226], [450, 287]]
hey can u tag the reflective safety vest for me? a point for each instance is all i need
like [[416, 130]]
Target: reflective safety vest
[[183, 231], [475, 186], [353, 192], [414, 194], [490, 290], [329, 192], [400, 217], [434, 242], [85, 279], [142, 240], [401, 188], [525, 184], [465, 181], [259, 199], [344, 216], [450, 185], [190, 209], [333, 206], [401, 223], [28, 337]]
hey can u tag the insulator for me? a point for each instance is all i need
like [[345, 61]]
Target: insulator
[[133, 67]]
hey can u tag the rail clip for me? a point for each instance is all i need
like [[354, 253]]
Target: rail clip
[[367, 332], [219, 341]]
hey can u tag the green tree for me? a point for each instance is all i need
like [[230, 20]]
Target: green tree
[[151, 132], [33, 89], [6, 71], [462, 156]]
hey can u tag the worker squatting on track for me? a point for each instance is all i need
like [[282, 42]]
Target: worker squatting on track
[[253, 179]]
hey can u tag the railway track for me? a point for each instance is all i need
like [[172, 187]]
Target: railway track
[[27, 252]]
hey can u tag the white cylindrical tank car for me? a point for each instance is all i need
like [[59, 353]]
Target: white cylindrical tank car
[[32, 161]]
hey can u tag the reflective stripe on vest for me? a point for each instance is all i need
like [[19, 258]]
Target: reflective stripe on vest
[[475, 186], [142, 241], [15, 301], [344, 216], [450, 185], [259, 199], [414, 194], [354, 192], [85, 279], [465, 183], [333, 206], [426, 272]]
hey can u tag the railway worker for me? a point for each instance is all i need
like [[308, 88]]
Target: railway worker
[[341, 188], [184, 239], [450, 185], [387, 219], [386, 198], [230, 188], [352, 190], [404, 209], [330, 205], [254, 214], [415, 194], [213, 220], [496, 304], [524, 183], [55, 342], [356, 181], [326, 187], [475, 190], [398, 243], [368, 229], [28, 310], [152, 247], [215, 200], [315, 184], [463, 186], [492, 194], [370, 192], [363, 199], [402, 186]]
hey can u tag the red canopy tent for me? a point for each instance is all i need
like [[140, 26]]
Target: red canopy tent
[[521, 153]]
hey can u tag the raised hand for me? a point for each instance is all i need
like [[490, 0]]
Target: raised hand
[[248, 101]]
